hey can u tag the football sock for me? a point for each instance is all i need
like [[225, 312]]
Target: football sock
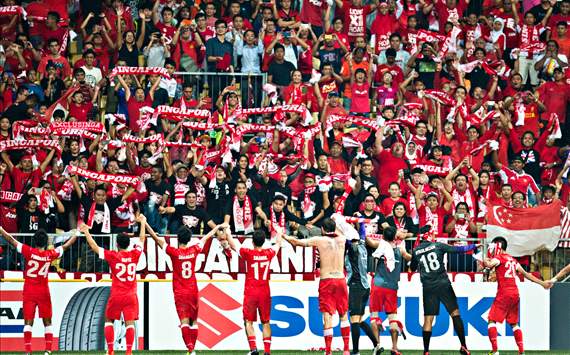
[[492, 331], [48, 337], [345, 332], [251, 341], [193, 331], [28, 338], [109, 336], [267, 345], [328, 334], [517, 332], [368, 330], [185, 329], [459, 329], [130, 338], [427, 336], [355, 332]]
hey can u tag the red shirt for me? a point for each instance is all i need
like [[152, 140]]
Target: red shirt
[[133, 108], [446, 14], [8, 219], [355, 20], [555, 96], [37, 267], [506, 273], [166, 30], [21, 179], [183, 263], [395, 70], [312, 12], [37, 9], [258, 263], [435, 220], [81, 111], [388, 205], [520, 182], [388, 171], [123, 265]]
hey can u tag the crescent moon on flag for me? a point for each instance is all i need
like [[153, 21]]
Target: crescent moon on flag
[[495, 208]]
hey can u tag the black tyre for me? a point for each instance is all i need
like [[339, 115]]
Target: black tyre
[[83, 322]]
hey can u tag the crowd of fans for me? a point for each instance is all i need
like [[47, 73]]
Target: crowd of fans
[[406, 113]]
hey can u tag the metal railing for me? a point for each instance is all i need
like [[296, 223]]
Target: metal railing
[[80, 258], [249, 86]]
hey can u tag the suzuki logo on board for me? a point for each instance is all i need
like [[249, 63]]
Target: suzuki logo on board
[[214, 326]]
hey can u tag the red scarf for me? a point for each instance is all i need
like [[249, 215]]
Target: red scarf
[[139, 71], [307, 198], [274, 222], [115, 179], [243, 216]]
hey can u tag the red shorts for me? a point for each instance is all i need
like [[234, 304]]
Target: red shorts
[[372, 302], [187, 305], [40, 300], [128, 305], [333, 296], [505, 307], [257, 299], [384, 300]]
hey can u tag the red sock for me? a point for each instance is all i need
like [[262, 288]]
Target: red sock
[[185, 329], [345, 332], [28, 338], [379, 325], [48, 337], [518, 338], [267, 345], [251, 341], [328, 334], [109, 336], [130, 338], [492, 331], [193, 336]]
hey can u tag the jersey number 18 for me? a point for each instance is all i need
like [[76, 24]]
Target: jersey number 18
[[430, 262]]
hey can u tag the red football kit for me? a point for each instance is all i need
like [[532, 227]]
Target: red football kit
[[36, 290], [506, 304], [123, 298], [257, 296], [184, 281]]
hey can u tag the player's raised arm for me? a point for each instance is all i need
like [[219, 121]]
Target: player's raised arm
[[70, 241], [310, 242], [158, 240], [280, 233], [491, 263], [142, 232], [211, 233], [84, 228], [533, 278], [9, 238], [560, 274]]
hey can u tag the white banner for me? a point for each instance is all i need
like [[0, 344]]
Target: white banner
[[295, 318], [297, 325]]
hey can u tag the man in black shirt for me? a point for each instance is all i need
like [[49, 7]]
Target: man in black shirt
[[158, 194], [217, 195], [428, 257], [278, 215], [241, 210], [271, 188], [189, 214], [280, 70]]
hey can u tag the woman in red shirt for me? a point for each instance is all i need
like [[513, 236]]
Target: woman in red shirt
[[297, 92], [360, 82]]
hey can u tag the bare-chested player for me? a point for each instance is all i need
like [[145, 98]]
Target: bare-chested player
[[333, 292]]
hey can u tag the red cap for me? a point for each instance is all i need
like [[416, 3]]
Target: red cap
[[27, 156], [309, 175]]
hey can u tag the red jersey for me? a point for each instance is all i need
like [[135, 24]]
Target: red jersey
[[183, 261], [355, 20], [37, 267], [258, 263], [123, 265], [506, 273], [520, 182]]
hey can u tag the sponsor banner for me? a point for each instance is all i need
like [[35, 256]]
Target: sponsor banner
[[12, 318], [297, 323]]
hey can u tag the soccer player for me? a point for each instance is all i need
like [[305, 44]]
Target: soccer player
[[428, 259], [36, 290], [386, 278], [506, 303], [184, 283], [333, 293], [257, 295], [123, 298]]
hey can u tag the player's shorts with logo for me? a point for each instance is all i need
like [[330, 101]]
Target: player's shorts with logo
[[187, 304], [257, 299], [40, 300], [333, 296], [433, 297], [505, 307], [128, 305], [357, 299], [384, 300]]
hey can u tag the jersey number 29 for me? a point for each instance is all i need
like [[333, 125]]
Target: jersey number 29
[[128, 269], [430, 262]]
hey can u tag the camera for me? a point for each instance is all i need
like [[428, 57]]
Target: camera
[[328, 37], [461, 215], [260, 140], [286, 34]]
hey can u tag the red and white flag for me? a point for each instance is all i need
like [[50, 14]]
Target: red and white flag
[[527, 230], [564, 228]]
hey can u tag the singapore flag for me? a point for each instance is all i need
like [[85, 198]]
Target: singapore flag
[[527, 230]]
